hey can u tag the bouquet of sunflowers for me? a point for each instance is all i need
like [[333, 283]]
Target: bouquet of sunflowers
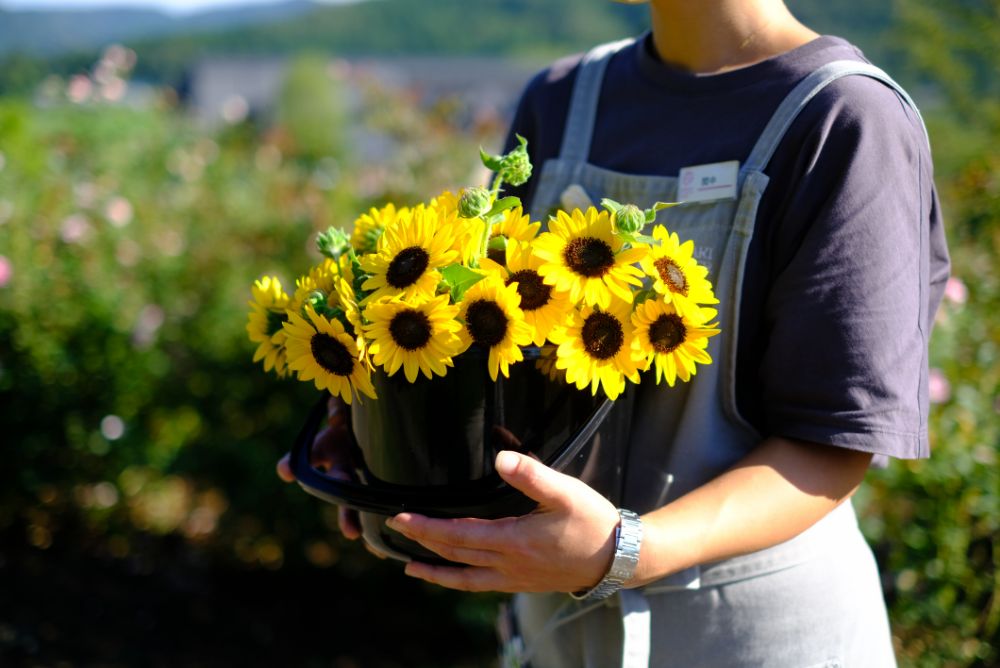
[[411, 289]]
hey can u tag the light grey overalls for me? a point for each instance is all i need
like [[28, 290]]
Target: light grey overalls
[[812, 601]]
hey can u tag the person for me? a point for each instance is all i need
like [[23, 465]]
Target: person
[[825, 246]]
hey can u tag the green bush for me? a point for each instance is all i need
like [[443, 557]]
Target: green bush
[[132, 415]]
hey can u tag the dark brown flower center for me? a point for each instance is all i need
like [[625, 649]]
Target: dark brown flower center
[[589, 256], [534, 292], [602, 335], [332, 354], [410, 329], [487, 322], [672, 275], [407, 267], [667, 332]]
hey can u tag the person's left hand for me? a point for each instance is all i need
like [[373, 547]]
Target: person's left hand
[[565, 545]]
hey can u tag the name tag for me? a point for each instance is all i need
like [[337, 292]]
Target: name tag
[[707, 183]]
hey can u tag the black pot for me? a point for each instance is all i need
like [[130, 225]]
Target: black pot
[[428, 447]]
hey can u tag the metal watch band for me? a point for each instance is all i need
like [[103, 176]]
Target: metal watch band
[[628, 539]]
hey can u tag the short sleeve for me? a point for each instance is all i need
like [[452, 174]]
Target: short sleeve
[[850, 299]]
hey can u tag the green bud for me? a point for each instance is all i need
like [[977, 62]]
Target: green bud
[[474, 202], [333, 243], [317, 299], [515, 167], [629, 219]]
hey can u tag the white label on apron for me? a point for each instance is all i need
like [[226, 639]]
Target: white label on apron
[[707, 183]]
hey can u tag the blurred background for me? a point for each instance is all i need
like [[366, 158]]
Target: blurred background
[[157, 158]]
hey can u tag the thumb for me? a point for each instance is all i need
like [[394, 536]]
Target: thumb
[[534, 479]]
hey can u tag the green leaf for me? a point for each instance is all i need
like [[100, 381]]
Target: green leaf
[[503, 204], [610, 205], [659, 206], [642, 295], [638, 239], [460, 278], [492, 162]]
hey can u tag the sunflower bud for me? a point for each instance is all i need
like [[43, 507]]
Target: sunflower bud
[[474, 202], [333, 243], [316, 299], [515, 167], [630, 219]]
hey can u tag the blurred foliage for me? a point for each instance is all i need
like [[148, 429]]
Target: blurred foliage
[[312, 109], [131, 412], [936, 523], [140, 441]]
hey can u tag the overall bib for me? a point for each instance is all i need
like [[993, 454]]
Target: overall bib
[[815, 600]]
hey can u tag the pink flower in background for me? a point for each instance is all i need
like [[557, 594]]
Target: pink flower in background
[[75, 229], [118, 211], [955, 291], [79, 88], [6, 271], [113, 90], [235, 109], [150, 319], [938, 386]]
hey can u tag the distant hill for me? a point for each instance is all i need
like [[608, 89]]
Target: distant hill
[[56, 32], [540, 29]]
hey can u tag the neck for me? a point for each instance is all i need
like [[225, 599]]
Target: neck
[[713, 36]]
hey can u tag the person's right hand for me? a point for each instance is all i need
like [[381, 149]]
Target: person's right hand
[[330, 452]]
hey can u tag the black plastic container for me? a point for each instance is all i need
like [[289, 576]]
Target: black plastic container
[[428, 447]]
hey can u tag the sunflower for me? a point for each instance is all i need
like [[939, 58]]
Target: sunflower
[[544, 305], [420, 335], [446, 203], [582, 254], [493, 321], [321, 351], [369, 226], [348, 304], [676, 274], [595, 348], [672, 340], [466, 233], [514, 226], [320, 282], [264, 324], [409, 254]]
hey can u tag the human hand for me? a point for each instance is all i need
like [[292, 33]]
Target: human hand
[[330, 453], [565, 545]]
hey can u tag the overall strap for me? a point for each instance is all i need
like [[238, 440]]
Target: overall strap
[[800, 96], [583, 104]]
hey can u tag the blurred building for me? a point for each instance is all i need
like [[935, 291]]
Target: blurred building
[[226, 89]]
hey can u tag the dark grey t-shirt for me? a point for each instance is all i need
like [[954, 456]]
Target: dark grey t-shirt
[[848, 261]]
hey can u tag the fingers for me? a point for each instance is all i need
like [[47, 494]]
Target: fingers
[[469, 533], [465, 579], [536, 480], [349, 523], [464, 555], [284, 468]]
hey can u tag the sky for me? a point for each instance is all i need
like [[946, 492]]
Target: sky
[[171, 6]]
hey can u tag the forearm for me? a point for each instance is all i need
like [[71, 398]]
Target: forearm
[[780, 489]]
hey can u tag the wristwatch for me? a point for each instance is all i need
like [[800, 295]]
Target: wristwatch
[[628, 538]]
